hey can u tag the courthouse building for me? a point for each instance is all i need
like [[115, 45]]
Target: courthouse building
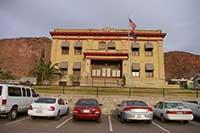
[[109, 57]]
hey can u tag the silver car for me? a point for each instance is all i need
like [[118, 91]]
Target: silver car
[[172, 110], [194, 106], [134, 110]]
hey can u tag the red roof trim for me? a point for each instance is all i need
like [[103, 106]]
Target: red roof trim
[[88, 38], [105, 54], [56, 33], [102, 59]]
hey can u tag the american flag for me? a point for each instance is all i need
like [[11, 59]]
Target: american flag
[[132, 25]]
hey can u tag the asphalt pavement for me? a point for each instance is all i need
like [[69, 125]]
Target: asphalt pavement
[[108, 124]]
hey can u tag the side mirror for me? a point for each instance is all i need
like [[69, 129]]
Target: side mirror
[[100, 104], [37, 95], [118, 105], [66, 103]]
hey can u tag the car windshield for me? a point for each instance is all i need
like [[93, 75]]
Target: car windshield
[[136, 103], [173, 105], [0, 90], [45, 100], [87, 102]]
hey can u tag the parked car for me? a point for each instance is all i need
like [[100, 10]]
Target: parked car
[[134, 110], [194, 106], [87, 109], [172, 110], [48, 107], [15, 98]]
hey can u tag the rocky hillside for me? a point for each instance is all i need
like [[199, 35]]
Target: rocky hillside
[[19, 55], [180, 64]]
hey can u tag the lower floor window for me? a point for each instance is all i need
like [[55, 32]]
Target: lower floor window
[[136, 73], [149, 74], [106, 72]]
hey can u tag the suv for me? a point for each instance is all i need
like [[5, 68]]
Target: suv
[[15, 98]]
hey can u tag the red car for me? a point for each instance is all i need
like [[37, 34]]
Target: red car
[[87, 109]]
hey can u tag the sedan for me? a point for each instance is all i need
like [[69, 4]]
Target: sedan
[[194, 106], [172, 110], [87, 109], [48, 107], [134, 110]]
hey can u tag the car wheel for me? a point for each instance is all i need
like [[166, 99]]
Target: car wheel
[[185, 121], [12, 114], [149, 121], [33, 117], [162, 118], [57, 116], [99, 120], [122, 120], [74, 119]]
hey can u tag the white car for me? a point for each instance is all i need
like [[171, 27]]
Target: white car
[[48, 107], [194, 106], [15, 98], [172, 110]]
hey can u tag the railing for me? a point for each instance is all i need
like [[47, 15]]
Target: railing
[[125, 91]]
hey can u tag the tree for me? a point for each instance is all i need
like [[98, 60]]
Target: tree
[[45, 70]]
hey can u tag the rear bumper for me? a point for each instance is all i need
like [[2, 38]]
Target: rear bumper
[[179, 117], [85, 116], [45, 114], [138, 116]]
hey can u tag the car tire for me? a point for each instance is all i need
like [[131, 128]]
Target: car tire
[[148, 121], [33, 117], [12, 115], [162, 119], [57, 116], [122, 120], [185, 121], [99, 120], [74, 119]]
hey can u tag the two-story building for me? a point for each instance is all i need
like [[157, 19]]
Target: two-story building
[[102, 57]]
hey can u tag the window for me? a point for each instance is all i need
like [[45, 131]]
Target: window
[[65, 50], [149, 74], [14, 91], [77, 51], [64, 67], [135, 73], [102, 45], [148, 49], [111, 45], [148, 52], [28, 92], [46, 100], [0, 90], [33, 93], [24, 92], [135, 51]]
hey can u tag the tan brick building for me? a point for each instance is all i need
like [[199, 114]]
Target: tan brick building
[[102, 56]]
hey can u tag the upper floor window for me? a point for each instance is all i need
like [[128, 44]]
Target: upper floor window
[[78, 48], [65, 47], [102, 45], [135, 49], [111, 45], [148, 49]]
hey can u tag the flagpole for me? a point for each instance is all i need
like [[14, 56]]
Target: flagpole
[[129, 59]]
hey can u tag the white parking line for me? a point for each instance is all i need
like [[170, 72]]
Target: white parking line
[[110, 123], [195, 123], [64, 122], [16, 121], [160, 127]]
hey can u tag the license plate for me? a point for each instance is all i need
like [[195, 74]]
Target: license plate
[[86, 111], [39, 111]]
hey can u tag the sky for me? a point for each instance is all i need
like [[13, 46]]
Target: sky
[[180, 19]]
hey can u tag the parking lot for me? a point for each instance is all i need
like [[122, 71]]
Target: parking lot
[[109, 123]]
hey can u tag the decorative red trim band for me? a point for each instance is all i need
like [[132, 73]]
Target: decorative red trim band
[[107, 39], [122, 34], [105, 54], [102, 59]]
